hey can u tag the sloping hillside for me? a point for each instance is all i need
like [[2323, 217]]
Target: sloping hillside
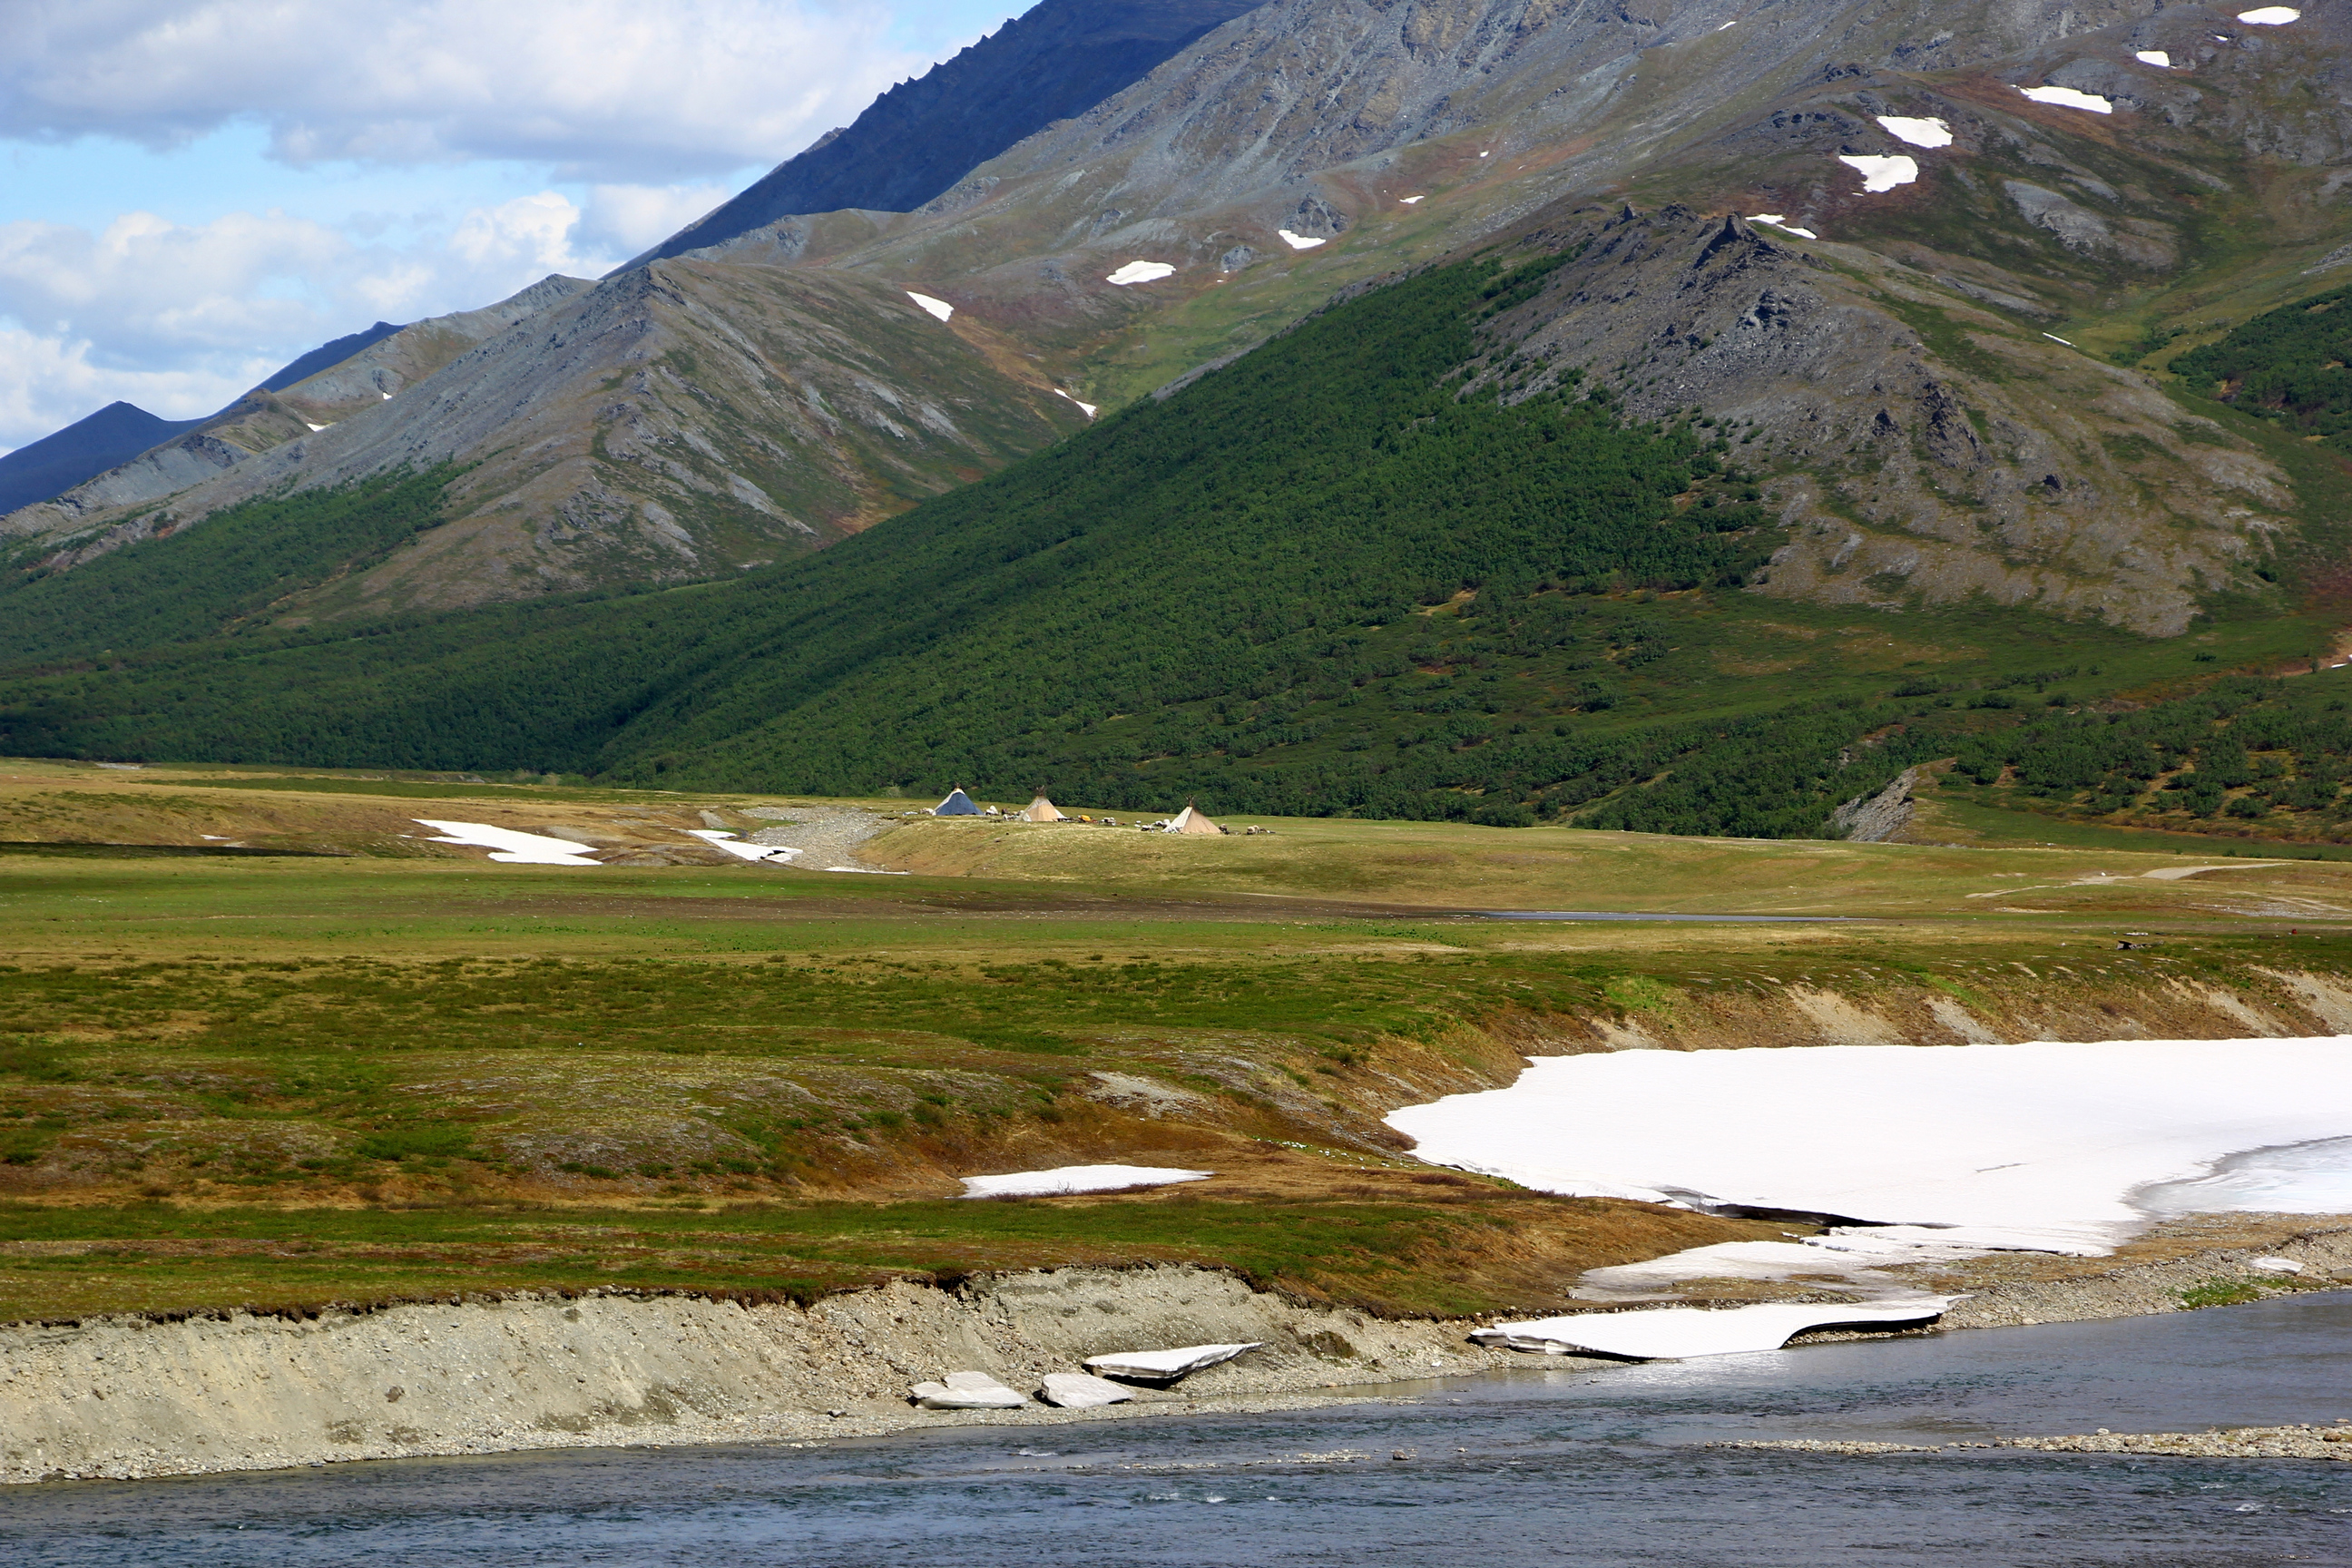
[[920, 137]]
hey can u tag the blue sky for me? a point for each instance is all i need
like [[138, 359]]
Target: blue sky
[[189, 197]]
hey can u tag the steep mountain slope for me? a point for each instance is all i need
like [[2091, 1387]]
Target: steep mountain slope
[[920, 137], [688, 419], [326, 355], [84, 522], [82, 451], [1383, 136]]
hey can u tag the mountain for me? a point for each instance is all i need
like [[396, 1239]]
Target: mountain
[[327, 354], [1889, 293], [82, 451], [82, 523], [922, 136]]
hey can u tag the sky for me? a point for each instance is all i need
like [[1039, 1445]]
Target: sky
[[195, 192]]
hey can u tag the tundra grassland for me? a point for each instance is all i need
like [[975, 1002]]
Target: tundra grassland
[[263, 1043]]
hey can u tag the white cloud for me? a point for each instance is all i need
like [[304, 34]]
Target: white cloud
[[628, 218], [144, 286], [610, 89], [179, 318]]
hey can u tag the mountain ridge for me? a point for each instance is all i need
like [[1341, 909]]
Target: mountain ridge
[[921, 136]]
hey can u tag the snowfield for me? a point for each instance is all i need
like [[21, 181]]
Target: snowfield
[[1881, 173], [1139, 272], [2067, 98], [2046, 1146], [938, 307], [510, 847], [1919, 132]]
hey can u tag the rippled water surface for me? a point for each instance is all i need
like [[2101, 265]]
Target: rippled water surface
[[1554, 1467]]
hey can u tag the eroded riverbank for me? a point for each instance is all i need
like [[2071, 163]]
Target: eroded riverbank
[[126, 1397]]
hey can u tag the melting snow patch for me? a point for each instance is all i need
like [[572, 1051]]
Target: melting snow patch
[[1690, 1330], [2067, 98], [938, 307], [1139, 272], [2275, 1265], [1076, 1179], [1165, 1366], [1408, 201], [314, 427], [2056, 338], [741, 850], [1088, 408], [1881, 173], [1300, 241], [2045, 1146], [1776, 221], [1919, 132], [2153, 58], [2270, 16], [509, 847]]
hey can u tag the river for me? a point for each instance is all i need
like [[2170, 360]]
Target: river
[[1553, 1465]]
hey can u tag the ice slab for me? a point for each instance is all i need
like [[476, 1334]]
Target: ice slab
[[2067, 98], [2153, 58], [2017, 1139], [1919, 132], [1082, 1391], [2270, 16], [741, 850], [1165, 1366], [938, 307], [1881, 173], [1139, 272], [1300, 241], [1076, 1179], [2304, 1178], [509, 846], [1675, 1332], [967, 1391]]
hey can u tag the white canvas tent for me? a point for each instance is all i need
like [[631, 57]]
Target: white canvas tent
[[1191, 820], [957, 803], [1041, 810]]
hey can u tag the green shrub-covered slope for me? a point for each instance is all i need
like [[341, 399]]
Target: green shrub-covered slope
[[1319, 580]]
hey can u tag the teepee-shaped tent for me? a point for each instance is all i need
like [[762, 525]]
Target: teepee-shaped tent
[[957, 803], [1041, 810], [1191, 820]]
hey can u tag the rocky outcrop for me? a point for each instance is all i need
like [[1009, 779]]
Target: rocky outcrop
[[1988, 461]]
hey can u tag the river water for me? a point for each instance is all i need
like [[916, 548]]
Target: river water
[[1548, 1465]]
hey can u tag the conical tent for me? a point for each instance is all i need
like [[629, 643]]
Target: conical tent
[[1041, 810], [957, 803], [1191, 820]]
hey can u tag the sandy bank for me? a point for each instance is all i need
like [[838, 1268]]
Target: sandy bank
[[124, 1397]]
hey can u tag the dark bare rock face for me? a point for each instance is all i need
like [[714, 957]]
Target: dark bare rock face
[[914, 142]]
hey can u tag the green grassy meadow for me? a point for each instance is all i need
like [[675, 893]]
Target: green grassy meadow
[[349, 1067]]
